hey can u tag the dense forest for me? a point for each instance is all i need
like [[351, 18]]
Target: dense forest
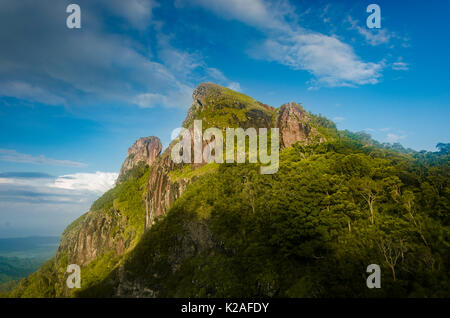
[[339, 202], [308, 231]]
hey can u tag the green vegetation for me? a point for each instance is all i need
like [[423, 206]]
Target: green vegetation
[[19, 257], [187, 172], [337, 204], [121, 213], [308, 231], [7, 287], [15, 268], [40, 284], [223, 107]]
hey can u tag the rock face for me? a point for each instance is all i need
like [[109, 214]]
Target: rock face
[[145, 149], [111, 229], [162, 191], [94, 234], [293, 122], [97, 232]]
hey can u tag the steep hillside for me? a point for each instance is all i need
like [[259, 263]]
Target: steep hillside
[[98, 240], [339, 202], [308, 231]]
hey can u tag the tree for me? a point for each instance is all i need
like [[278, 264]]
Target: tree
[[392, 251], [444, 148], [369, 190]]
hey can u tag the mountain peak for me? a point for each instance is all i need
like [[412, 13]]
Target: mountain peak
[[219, 106], [204, 90], [145, 149]]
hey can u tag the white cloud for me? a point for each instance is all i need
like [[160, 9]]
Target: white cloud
[[380, 36], [95, 182], [338, 119], [235, 86], [48, 203], [253, 12], [373, 36], [388, 134], [137, 12], [70, 188], [392, 138], [14, 156], [54, 65], [180, 97], [216, 74], [26, 91], [332, 62], [400, 66]]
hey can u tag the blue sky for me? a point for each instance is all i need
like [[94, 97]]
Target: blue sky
[[72, 101]]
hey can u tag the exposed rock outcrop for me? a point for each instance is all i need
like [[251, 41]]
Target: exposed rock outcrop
[[294, 124], [145, 149], [209, 98], [162, 191], [111, 229], [94, 233]]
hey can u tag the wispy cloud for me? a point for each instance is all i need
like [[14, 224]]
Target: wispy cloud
[[137, 12], [31, 202], [29, 92], [392, 138], [57, 66], [338, 119], [387, 134], [235, 86], [25, 175], [39, 188], [400, 66], [372, 36], [331, 61], [14, 156], [95, 182]]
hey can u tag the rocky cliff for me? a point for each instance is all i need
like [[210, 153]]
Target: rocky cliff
[[221, 107], [229, 231], [217, 107], [119, 218], [294, 124], [145, 149]]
